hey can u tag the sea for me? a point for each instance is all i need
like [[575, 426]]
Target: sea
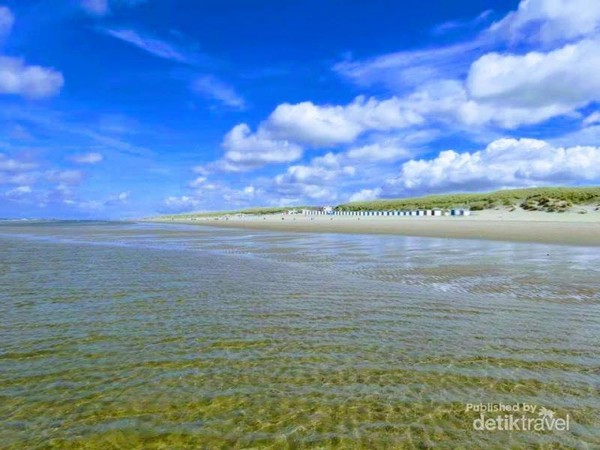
[[164, 336]]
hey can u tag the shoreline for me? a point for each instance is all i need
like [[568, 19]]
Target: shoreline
[[532, 227]]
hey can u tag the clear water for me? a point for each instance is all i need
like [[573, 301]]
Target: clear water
[[122, 335]]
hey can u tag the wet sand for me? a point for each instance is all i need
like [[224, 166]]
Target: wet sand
[[518, 226]]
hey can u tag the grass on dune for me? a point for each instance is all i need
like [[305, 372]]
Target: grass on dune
[[547, 198], [551, 199]]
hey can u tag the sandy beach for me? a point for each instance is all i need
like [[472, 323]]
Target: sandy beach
[[568, 228]]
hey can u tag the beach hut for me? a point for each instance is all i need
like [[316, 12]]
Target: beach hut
[[437, 212]]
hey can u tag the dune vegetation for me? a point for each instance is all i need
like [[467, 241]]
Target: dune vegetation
[[549, 199]]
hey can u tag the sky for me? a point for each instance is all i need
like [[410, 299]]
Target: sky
[[130, 108]]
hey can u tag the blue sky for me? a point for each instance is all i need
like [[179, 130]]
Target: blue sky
[[126, 108]]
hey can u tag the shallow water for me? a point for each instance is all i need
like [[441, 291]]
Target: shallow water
[[122, 335]]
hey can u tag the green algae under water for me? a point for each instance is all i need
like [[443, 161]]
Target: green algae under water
[[156, 336]]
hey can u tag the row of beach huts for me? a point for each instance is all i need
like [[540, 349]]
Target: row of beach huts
[[417, 212]]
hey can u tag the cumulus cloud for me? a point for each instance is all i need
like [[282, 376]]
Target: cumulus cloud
[[281, 138], [88, 158], [215, 89], [7, 19], [365, 195], [548, 21], [310, 124], [566, 76], [503, 163], [35, 82], [245, 150], [319, 180], [538, 63], [507, 90], [321, 171], [386, 150]]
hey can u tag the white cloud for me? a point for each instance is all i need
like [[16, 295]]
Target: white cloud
[[548, 21], [592, 119], [151, 45], [7, 20], [310, 124], [411, 68], [212, 88], [18, 194], [29, 81], [566, 77], [503, 163], [88, 158], [502, 89], [245, 150], [321, 171], [456, 90], [182, 203], [198, 182], [14, 165], [447, 102], [103, 7], [386, 150], [20, 190], [365, 195], [118, 199], [95, 7], [319, 180], [64, 177], [17, 171]]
